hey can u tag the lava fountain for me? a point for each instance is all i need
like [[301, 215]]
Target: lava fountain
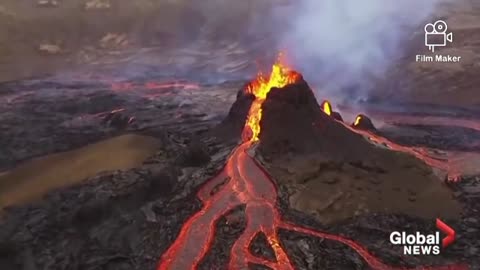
[[246, 183], [280, 77]]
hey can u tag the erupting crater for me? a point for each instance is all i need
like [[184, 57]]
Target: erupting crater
[[280, 116]]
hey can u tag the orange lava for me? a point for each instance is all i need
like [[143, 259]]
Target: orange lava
[[244, 182], [445, 164], [279, 77], [453, 174], [357, 120], [327, 107], [247, 185]]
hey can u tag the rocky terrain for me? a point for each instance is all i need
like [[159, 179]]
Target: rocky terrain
[[58, 117], [114, 113], [38, 38], [334, 173], [453, 83], [125, 219]]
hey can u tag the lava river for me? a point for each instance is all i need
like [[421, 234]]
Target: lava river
[[244, 182]]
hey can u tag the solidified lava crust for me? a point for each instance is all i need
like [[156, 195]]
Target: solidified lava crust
[[228, 229]]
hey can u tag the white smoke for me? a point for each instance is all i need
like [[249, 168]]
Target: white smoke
[[349, 42]]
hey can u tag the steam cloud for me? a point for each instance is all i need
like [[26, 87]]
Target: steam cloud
[[348, 42]]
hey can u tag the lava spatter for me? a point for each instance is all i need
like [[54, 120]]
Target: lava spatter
[[248, 184], [357, 120], [326, 107]]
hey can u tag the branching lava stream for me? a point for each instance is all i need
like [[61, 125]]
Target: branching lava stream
[[248, 184]]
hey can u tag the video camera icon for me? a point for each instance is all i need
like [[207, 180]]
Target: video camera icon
[[436, 35]]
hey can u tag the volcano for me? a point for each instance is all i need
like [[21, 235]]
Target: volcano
[[332, 170], [333, 173], [293, 123]]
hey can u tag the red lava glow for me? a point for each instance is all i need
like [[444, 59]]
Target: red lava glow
[[454, 174], [421, 153], [398, 118], [249, 185], [246, 183], [446, 165], [130, 86]]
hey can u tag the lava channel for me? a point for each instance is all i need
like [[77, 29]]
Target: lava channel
[[453, 172], [248, 184]]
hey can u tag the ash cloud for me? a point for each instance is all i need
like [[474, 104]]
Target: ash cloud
[[346, 44]]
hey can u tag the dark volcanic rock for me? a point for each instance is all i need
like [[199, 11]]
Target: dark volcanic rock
[[227, 230], [117, 120], [196, 154], [292, 122], [7, 257], [232, 126], [116, 220], [363, 122], [162, 179], [310, 253], [337, 116], [261, 248]]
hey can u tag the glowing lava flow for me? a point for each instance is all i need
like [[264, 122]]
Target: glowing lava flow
[[453, 174], [246, 183]]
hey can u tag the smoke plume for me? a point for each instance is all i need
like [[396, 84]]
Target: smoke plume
[[349, 43]]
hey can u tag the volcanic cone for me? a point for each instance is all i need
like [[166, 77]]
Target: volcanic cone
[[232, 126], [331, 171], [363, 122], [293, 123]]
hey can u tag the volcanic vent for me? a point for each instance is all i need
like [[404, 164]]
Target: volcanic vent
[[331, 170], [291, 120]]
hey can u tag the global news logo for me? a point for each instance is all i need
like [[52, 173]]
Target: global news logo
[[424, 244], [436, 35]]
